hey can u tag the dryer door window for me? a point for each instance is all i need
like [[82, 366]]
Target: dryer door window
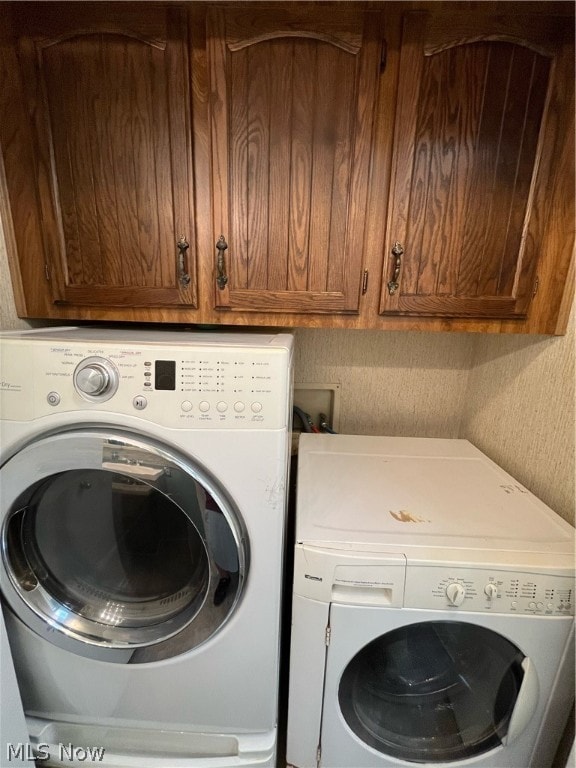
[[432, 692], [118, 542]]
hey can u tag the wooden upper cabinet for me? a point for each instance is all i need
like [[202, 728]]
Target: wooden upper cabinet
[[292, 99], [107, 89], [474, 133]]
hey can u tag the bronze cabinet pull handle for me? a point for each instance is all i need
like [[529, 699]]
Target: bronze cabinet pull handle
[[183, 276], [221, 277], [397, 251]]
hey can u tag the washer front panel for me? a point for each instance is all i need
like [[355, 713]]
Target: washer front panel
[[540, 642]]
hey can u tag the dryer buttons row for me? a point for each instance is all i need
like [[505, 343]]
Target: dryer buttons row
[[140, 403], [204, 406]]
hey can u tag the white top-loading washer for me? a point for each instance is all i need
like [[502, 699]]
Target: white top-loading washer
[[410, 536]]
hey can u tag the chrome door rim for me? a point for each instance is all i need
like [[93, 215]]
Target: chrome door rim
[[145, 460]]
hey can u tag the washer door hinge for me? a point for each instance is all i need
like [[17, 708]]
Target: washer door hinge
[[328, 634], [318, 755]]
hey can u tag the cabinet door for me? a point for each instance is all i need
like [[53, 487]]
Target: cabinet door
[[107, 91], [292, 106], [464, 225]]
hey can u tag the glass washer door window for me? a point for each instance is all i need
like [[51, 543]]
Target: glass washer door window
[[432, 692], [120, 542]]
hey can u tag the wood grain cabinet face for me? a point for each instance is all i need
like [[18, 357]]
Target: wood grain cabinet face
[[465, 218], [292, 95], [108, 89]]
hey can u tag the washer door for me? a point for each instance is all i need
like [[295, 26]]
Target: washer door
[[117, 541], [433, 692]]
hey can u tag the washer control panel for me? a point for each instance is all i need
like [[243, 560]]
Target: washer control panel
[[486, 590], [233, 385]]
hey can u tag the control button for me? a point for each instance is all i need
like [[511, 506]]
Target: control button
[[53, 398], [221, 407], [148, 364], [204, 406], [491, 591], [186, 406], [239, 406], [455, 593], [147, 374], [513, 604], [532, 606], [540, 606], [147, 384], [256, 407], [139, 402], [550, 606]]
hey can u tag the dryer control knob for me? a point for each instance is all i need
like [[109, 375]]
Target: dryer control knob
[[96, 379], [491, 591], [455, 593], [92, 380]]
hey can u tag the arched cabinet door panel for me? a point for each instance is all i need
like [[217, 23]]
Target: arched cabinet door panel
[[292, 99], [476, 123], [108, 88]]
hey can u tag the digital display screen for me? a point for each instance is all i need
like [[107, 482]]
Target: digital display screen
[[165, 374]]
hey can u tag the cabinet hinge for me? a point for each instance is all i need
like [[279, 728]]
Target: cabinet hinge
[[383, 56], [364, 282], [47, 271], [328, 635], [318, 755], [536, 286]]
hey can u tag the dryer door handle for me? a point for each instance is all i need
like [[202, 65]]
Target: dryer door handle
[[525, 703]]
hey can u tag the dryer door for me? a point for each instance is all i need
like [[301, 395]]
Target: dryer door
[[119, 543]]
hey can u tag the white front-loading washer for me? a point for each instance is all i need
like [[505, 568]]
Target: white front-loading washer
[[433, 610], [143, 503]]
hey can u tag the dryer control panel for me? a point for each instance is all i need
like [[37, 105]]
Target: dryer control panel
[[485, 590], [209, 384]]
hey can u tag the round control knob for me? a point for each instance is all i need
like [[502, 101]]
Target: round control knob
[[92, 380], [491, 591], [455, 593], [96, 379]]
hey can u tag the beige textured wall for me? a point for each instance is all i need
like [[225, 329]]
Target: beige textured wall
[[519, 409], [8, 318], [397, 383]]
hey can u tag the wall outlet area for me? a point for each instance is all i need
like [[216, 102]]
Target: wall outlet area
[[318, 401]]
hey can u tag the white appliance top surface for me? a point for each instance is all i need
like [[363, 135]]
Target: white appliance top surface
[[174, 337], [359, 492]]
